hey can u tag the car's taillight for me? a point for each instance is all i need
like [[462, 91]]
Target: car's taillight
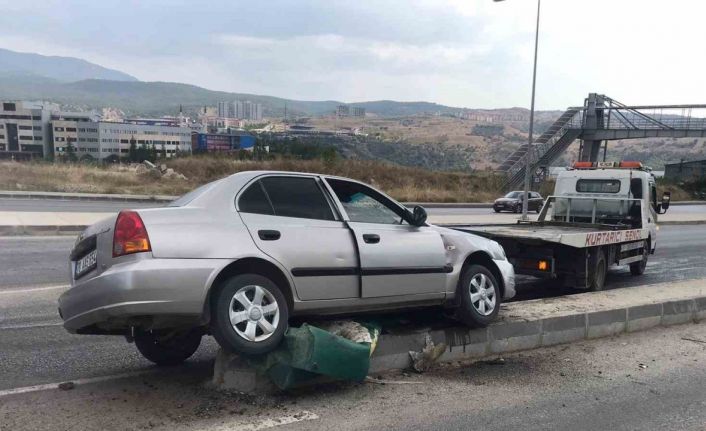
[[130, 234]]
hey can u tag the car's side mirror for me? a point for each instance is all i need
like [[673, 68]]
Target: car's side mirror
[[664, 206], [418, 216]]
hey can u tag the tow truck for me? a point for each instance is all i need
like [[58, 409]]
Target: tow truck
[[601, 214]]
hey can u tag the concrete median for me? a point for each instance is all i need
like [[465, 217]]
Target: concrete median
[[532, 324]]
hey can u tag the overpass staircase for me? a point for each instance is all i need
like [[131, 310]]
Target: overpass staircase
[[545, 149], [599, 120]]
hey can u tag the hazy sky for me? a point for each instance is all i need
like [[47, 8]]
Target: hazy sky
[[471, 53]]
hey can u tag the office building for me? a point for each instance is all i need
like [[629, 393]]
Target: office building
[[109, 141], [25, 130]]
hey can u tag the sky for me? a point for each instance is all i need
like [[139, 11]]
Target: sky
[[464, 53]]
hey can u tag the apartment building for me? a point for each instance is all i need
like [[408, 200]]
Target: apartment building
[[243, 110], [25, 129]]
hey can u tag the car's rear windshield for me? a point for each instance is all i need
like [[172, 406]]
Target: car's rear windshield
[[597, 186], [184, 200], [513, 195]]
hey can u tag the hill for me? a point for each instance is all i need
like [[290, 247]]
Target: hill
[[62, 69], [159, 98]]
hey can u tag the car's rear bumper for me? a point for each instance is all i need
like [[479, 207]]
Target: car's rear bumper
[[507, 271], [142, 288]]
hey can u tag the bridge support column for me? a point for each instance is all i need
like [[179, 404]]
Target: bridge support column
[[594, 120]]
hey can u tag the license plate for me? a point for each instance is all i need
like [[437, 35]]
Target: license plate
[[86, 264]]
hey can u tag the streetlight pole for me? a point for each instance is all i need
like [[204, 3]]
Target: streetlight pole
[[528, 158]]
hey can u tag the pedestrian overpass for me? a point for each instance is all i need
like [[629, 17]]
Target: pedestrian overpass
[[599, 120]]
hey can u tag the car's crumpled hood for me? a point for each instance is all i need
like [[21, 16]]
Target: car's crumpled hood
[[464, 240]]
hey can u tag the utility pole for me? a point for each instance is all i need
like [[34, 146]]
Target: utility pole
[[528, 154]]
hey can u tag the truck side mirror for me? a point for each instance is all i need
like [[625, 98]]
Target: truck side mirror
[[666, 197]]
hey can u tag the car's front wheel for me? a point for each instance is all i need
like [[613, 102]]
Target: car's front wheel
[[166, 348], [479, 301], [249, 314]]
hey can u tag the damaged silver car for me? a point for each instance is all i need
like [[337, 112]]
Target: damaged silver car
[[236, 258]]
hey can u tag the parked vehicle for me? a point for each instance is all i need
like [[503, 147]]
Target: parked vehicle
[[601, 214], [513, 202], [238, 257]]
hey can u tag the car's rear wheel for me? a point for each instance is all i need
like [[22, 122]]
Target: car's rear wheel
[[166, 348], [249, 314], [479, 296]]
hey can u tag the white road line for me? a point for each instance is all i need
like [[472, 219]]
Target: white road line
[[266, 423], [34, 289], [77, 382], [31, 325]]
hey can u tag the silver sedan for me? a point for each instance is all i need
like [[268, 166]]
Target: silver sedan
[[236, 258]]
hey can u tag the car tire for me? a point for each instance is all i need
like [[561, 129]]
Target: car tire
[[517, 208], [168, 349], [600, 271], [638, 268], [496, 210], [260, 311], [473, 307]]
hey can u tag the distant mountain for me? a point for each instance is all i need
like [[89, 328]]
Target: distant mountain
[[62, 69], [157, 98]]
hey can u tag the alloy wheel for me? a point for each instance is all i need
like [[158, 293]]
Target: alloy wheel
[[254, 313], [482, 293]]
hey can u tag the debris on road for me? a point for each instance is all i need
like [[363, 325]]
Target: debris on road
[[694, 340], [422, 361], [66, 386], [309, 353]]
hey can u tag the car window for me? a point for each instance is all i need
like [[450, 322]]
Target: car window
[[254, 200], [297, 197], [364, 204], [513, 195], [184, 200]]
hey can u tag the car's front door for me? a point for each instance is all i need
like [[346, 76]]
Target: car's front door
[[290, 219], [396, 258]]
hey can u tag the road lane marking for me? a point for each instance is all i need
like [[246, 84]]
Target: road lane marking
[[263, 424], [34, 289], [49, 386], [31, 325]]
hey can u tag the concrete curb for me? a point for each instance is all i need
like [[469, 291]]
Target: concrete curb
[[501, 337], [10, 194]]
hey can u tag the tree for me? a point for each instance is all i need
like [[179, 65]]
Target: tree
[[70, 152], [152, 156], [132, 152], [163, 151]]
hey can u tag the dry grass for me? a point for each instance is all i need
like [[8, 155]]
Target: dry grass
[[403, 183]]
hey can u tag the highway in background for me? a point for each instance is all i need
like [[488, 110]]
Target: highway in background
[[90, 206]]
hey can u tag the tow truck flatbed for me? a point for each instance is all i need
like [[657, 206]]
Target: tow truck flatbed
[[571, 234]]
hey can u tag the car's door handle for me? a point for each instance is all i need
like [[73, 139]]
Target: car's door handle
[[269, 235], [371, 238]]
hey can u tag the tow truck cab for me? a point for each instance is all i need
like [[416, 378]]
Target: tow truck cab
[[621, 180]]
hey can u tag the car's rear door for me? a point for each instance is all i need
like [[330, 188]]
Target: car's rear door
[[395, 257], [291, 220]]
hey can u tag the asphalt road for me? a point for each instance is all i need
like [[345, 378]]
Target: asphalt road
[[35, 349], [49, 205]]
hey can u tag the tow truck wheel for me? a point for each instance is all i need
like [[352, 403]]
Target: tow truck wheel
[[479, 294], [168, 348], [249, 315], [638, 268], [600, 269]]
